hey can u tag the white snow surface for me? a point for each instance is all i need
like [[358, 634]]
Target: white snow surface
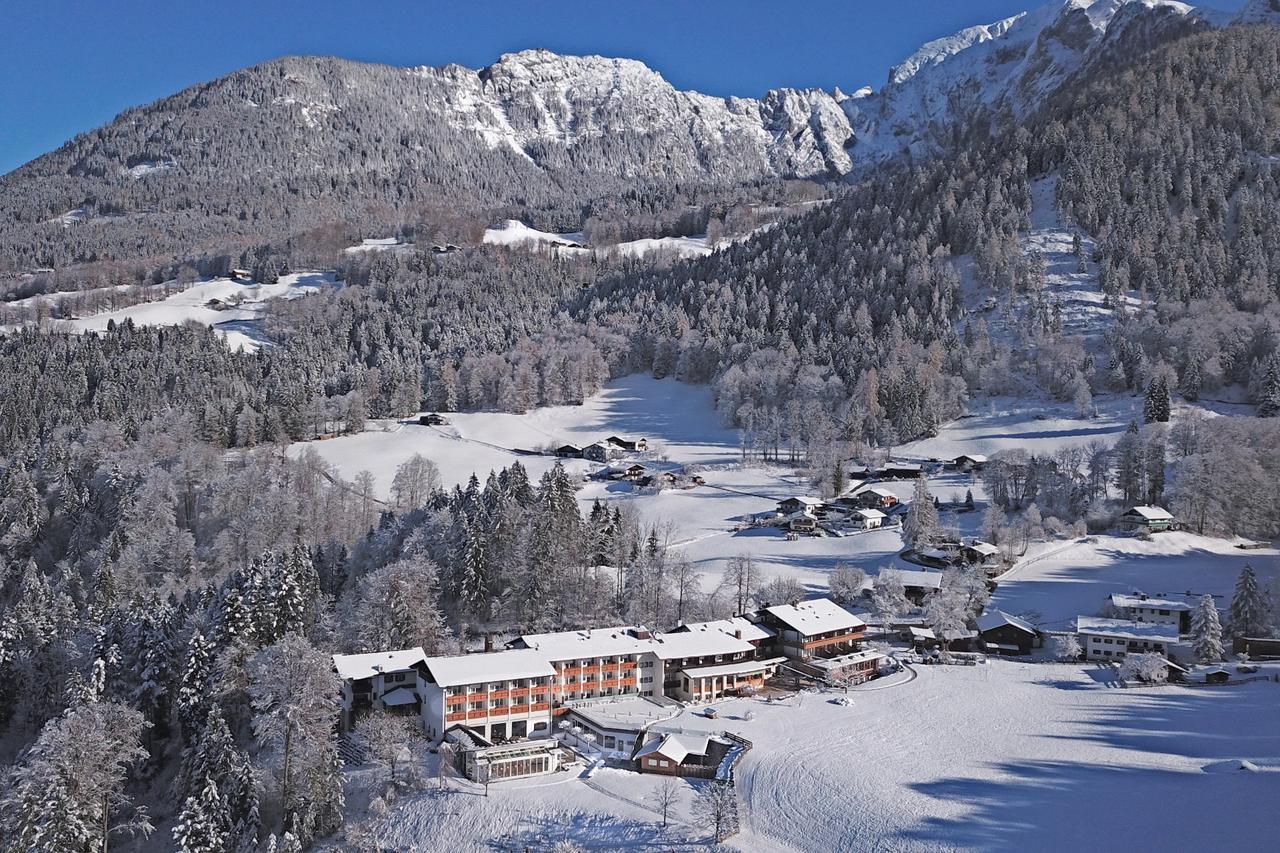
[[1058, 581], [513, 232], [238, 324], [999, 757]]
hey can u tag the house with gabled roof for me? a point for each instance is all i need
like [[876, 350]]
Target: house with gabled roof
[[1002, 632], [1152, 519], [815, 628]]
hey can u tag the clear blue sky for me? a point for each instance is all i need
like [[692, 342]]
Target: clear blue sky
[[71, 65]]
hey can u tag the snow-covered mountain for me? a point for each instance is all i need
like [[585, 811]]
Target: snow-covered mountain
[[302, 142], [1007, 66], [536, 98]]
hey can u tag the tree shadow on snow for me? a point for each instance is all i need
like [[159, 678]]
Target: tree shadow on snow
[[593, 832], [1161, 801]]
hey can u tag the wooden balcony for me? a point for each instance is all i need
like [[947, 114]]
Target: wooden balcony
[[477, 715], [851, 637], [456, 717], [540, 706]]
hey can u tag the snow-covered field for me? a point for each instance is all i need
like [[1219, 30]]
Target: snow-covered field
[[1036, 426], [513, 232], [237, 322], [1066, 580], [1001, 756]]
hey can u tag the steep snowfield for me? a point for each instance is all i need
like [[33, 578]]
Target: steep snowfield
[[1003, 756], [237, 323]]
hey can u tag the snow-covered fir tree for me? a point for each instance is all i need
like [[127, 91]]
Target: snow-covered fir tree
[[1250, 614], [1206, 631]]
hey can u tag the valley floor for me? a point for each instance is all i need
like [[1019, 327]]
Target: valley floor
[[1000, 756]]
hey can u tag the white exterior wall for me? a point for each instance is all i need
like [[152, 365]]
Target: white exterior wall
[[1152, 615], [1097, 647]]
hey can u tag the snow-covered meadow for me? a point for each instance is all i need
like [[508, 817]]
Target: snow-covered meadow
[[1001, 756], [240, 307]]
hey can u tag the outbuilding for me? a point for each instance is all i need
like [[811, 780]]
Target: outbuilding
[[1001, 632]]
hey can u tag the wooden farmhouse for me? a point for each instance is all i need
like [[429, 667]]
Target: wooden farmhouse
[[1002, 633]]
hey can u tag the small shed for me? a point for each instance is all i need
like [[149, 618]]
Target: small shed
[[1217, 676], [969, 462], [433, 419]]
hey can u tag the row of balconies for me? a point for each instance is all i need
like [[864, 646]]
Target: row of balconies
[[505, 711]]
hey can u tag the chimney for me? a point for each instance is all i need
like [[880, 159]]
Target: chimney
[[488, 641], [737, 633]]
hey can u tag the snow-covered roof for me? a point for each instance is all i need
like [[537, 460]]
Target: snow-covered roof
[[624, 713], [817, 616], [841, 661], [751, 631], [958, 634], [986, 549], [745, 667], [1151, 513], [935, 553], [997, 618], [972, 457], [922, 633], [903, 466], [677, 747], [586, 643], [920, 580], [691, 644], [878, 490], [455, 670], [870, 514], [1121, 600], [400, 696], [367, 665], [1127, 630], [803, 500]]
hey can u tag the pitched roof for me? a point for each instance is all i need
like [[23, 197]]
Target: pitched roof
[[998, 618], [972, 457], [920, 580], [586, 643], [803, 499], [984, 548], [1151, 513], [745, 667], [816, 616], [691, 644], [677, 747], [455, 670], [750, 630], [1127, 630], [370, 664], [870, 514], [400, 696]]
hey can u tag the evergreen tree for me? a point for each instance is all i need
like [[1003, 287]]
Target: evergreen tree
[[1206, 631], [201, 824], [1156, 407], [921, 527], [1250, 612]]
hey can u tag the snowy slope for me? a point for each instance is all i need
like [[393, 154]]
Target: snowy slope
[[238, 324], [1065, 581]]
